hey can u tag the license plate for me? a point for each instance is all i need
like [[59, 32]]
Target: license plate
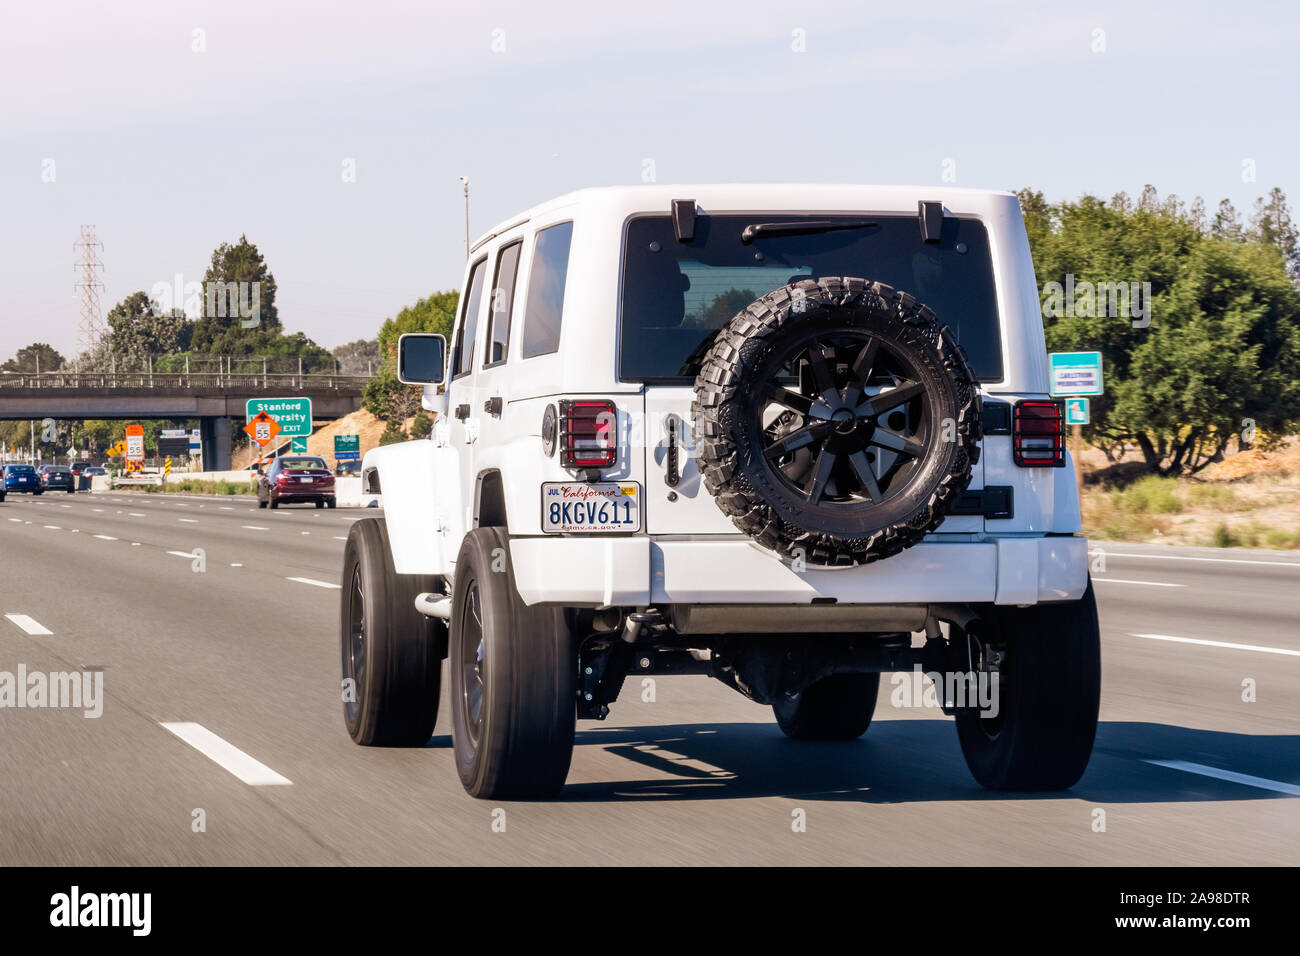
[[605, 506]]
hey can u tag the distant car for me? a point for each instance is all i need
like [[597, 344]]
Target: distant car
[[22, 478], [78, 467], [296, 478], [55, 477], [94, 470]]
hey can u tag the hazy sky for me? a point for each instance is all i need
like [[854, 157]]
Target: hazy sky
[[169, 150]]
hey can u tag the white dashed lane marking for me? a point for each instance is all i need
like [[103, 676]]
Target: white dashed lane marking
[[28, 624], [315, 583], [1235, 647], [1184, 557], [253, 527], [1152, 584], [1245, 779], [226, 755], [105, 537]]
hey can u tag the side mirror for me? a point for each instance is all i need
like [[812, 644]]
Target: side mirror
[[421, 359]]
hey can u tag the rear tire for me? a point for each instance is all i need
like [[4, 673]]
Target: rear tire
[[330, 502], [391, 652], [513, 679], [319, 505], [838, 707], [1048, 699], [274, 504], [262, 504]]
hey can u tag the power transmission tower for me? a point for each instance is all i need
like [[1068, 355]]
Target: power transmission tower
[[88, 287]]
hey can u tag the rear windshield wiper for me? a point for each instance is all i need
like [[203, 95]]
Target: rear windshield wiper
[[810, 227]]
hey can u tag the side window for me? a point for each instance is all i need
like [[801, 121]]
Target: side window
[[469, 319], [503, 298], [545, 305]]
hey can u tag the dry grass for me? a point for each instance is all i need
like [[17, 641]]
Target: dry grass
[[1248, 500]]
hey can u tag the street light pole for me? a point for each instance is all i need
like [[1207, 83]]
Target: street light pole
[[465, 182]]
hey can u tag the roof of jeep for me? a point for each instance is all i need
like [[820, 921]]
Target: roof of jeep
[[816, 197]]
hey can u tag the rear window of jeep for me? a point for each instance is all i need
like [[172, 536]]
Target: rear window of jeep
[[676, 295]]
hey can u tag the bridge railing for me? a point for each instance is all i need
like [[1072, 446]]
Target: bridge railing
[[261, 381]]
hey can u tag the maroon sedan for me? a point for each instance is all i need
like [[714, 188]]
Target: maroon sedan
[[296, 479]]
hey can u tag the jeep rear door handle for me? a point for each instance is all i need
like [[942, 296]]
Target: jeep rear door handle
[[493, 405], [462, 412]]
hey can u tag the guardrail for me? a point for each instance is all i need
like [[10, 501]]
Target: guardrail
[[276, 381]]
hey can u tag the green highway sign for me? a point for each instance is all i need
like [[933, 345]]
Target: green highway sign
[[1076, 411], [298, 446], [1075, 373], [293, 415], [347, 447]]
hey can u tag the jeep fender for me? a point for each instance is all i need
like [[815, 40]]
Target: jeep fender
[[419, 485]]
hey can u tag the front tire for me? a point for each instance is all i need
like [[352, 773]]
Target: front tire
[[1048, 698], [513, 679], [838, 707], [391, 652]]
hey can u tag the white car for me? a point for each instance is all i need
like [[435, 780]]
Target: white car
[[791, 437]]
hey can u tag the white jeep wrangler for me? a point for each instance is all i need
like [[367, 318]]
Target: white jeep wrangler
[[790, 437]]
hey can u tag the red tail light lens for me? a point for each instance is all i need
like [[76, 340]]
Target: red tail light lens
[[1038, 434], [588, 433]]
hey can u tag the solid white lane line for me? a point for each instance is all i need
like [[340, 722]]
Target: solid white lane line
[[226, 755], [1262, 783], [319, 584], [105, 537], [1154, 584], [1184, 557], [28, 624], [1227, 644], [253, 527]]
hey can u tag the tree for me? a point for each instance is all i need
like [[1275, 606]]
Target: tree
[[421, 425], [1222, 350], [237, 280], [1226, 223], [386, 397], [1272, 225], [358, 358], [37, 357], [392, 434], [138, 329]]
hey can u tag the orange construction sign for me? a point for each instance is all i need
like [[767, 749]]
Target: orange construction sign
[[262, 428]]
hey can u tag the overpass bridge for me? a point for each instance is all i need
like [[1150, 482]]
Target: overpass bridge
[[214, 398]]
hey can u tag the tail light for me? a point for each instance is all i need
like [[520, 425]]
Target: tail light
[[1038, 434], [588, 434]]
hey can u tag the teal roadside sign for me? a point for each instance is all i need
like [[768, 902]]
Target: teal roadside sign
[[347, 447], [1075, 373], [293, 415], [298, 446], [1076, 411]]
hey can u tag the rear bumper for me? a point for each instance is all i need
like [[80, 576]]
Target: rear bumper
[[732, 570]]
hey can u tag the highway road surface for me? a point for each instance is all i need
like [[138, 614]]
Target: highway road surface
[[221, 739]]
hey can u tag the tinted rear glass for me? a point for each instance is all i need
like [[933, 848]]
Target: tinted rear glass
[[546, 283], [301, 464], [22, 469], [677, 295]]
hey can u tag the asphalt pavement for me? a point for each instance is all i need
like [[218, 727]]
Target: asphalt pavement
[[221, 738]]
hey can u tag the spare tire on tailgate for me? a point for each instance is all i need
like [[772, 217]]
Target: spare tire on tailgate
[[836, 421]]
